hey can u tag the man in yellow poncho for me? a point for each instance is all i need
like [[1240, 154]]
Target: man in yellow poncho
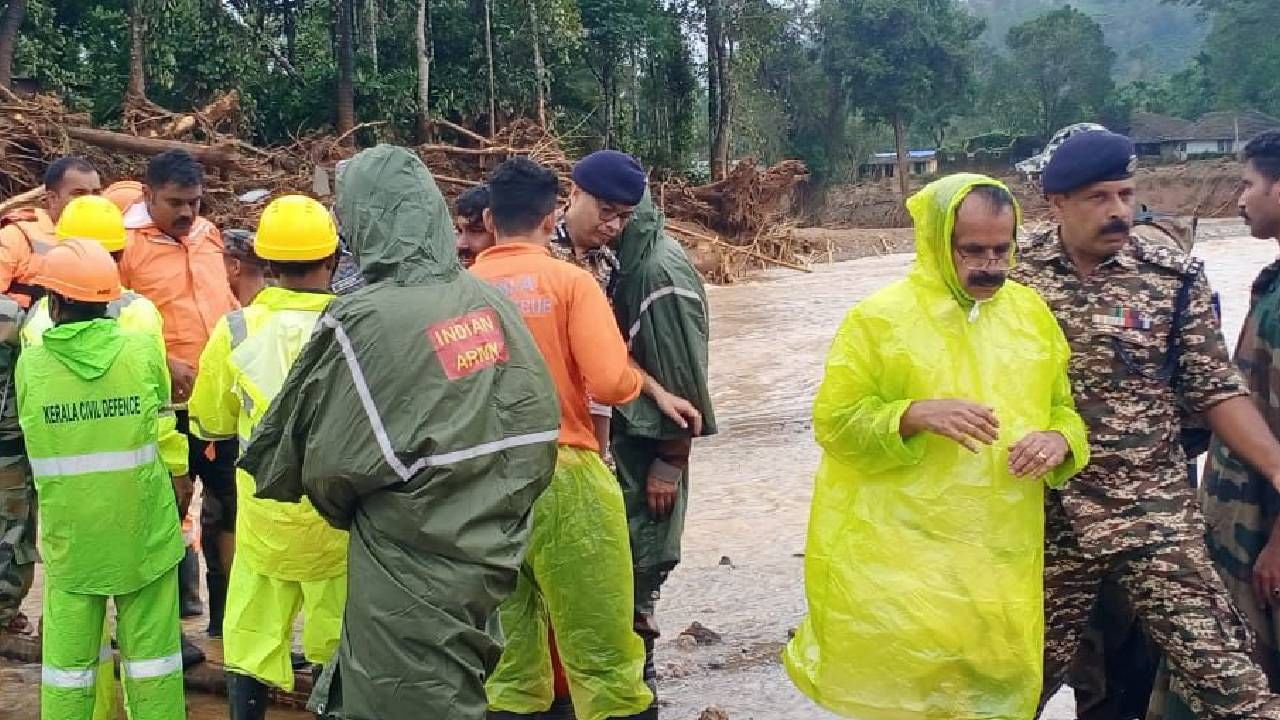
[[944, 410]]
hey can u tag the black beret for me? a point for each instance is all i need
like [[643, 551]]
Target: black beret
[[1087, 158], [611, 176]]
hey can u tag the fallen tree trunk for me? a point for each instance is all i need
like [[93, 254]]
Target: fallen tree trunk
[[22, 200], [223, 156]]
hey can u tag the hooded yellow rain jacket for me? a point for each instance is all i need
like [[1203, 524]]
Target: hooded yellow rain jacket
[[923, 565]]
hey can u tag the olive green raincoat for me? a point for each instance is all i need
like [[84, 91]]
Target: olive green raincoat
[[662, 310], [422, 418]]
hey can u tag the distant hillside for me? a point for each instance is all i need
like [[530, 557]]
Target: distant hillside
[[1150, 38]]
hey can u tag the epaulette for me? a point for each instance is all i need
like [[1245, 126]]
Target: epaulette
[[1164, 256]]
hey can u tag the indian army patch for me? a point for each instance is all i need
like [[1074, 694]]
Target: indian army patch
[[1122, 317]]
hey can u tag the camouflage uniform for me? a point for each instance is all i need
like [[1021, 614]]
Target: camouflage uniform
[[1240, 506], [1131, 515], [601, 262], [17, 489]]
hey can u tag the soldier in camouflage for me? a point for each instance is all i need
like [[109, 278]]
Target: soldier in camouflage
[[17, 493], [1144, 339], [1241, 507]]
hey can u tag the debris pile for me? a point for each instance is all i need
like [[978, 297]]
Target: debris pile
[[732, 226]]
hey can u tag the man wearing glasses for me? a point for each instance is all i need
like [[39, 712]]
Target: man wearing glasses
[[944, 411], [1145, 342]]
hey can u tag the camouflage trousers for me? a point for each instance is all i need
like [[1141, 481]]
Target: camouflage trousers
[[1179, 599], [17, 536]]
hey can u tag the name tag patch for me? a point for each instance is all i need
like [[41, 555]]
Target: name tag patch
[[468, 343], [1128, 318]]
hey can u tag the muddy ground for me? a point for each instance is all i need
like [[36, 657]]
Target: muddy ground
[[1203, 188], [742, 574]]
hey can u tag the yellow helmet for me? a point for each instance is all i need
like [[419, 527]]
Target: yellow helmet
[[295, 228], [93, 217]]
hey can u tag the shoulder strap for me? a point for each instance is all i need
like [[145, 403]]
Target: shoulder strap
[[1181, 303]]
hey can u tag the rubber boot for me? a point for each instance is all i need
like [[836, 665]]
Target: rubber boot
[[189, 603], [192, 655], [647, 628], [246, 697], [217, 602]]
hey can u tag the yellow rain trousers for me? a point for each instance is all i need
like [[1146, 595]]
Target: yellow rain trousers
[[287, 557], [577, 577], [923, 564]]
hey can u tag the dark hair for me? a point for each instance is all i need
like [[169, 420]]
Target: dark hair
[[521, 194], [294, 268], [59, 168], [1264, 152], [175, 167], [472, 203], [996, 198], [78, 311]]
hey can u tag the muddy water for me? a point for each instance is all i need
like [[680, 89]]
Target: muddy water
[[742, 574]]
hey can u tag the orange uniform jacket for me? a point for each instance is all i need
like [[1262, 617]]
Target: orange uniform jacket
[[185, 279], [571, 321], [24, 235]]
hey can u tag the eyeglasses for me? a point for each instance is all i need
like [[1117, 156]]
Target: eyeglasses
[[983, 260], [608, 215]]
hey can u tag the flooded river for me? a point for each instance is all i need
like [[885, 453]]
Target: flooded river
[[742, 574]]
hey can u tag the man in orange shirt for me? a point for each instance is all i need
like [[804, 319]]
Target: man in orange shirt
[[24, 235], [174, 259], [577, 570]]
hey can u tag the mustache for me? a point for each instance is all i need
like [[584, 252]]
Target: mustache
[[987, 279], [1116, 226]]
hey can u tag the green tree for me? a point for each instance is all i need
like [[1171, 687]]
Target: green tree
[[1059, 71], [897, 60]]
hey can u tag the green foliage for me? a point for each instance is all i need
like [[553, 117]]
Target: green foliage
[[1058, 72]]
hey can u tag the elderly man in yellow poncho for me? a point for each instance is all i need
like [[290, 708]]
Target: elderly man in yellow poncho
[[944, 412]]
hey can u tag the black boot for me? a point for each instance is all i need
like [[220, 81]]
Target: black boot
[[189, 603], [192, 655], [217, 602], [246, 697], [647, 628], [649, 714]]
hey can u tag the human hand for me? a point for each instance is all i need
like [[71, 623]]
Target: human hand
[[967, 423], [1266, 574], [662, 487], [183, 377], [1036, 454], [681, 411], [183, 489]]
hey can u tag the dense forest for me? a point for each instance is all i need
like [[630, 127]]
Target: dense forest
[[686, 84]]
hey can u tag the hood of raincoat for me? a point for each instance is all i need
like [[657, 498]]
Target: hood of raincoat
[[88, 349], [933, 213], [420, 415], [391, 226], [641, 235]]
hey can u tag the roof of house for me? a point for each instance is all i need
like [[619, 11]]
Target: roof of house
[[1147, 128], [911, 154], [1230, 125]]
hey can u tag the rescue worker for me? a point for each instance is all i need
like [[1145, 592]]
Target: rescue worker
[[174, 258], [1145, 344], [25, 234], [582, 589], [468, 220], [287, 557], [1241, 508], [246, 272], [91, 397], [421, 417], [922, 569], [661, 308]]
